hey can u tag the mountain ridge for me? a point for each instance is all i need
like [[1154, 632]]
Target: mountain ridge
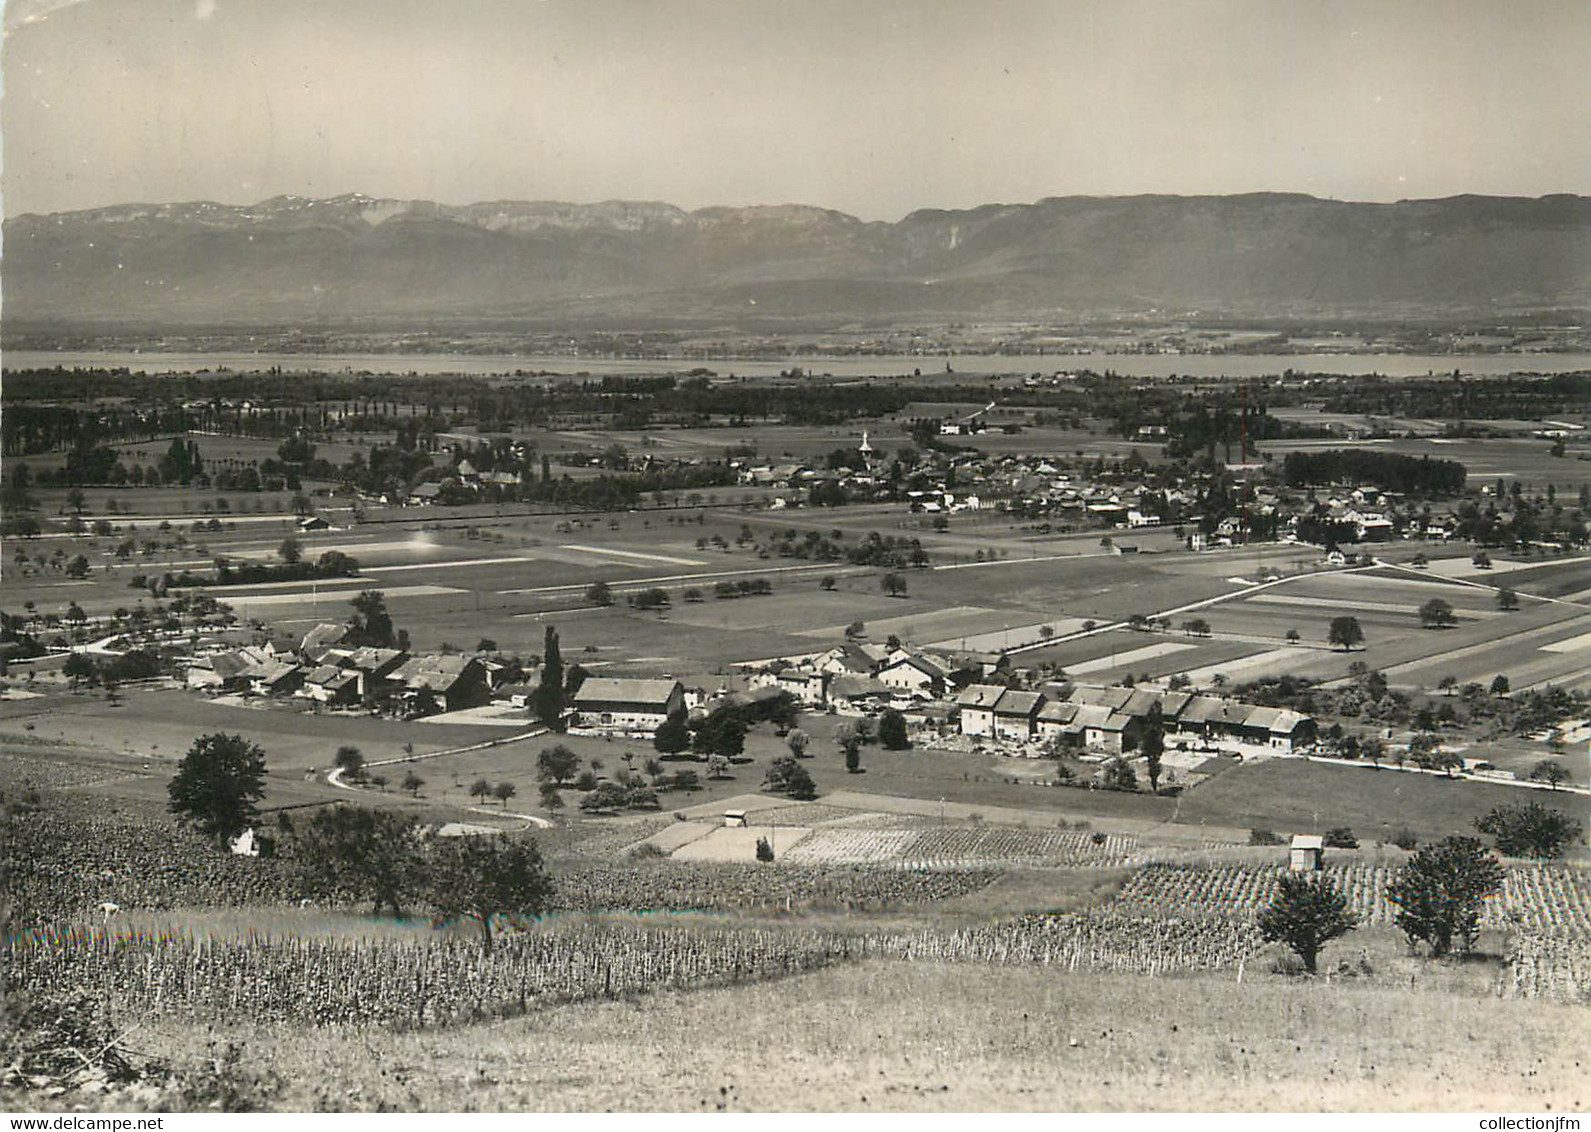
[[353, 257]]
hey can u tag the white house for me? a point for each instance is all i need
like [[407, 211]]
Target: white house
[[977, 708], [915, 673], [1016, 715]]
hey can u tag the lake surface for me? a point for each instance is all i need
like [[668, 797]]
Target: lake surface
[[970, 365]]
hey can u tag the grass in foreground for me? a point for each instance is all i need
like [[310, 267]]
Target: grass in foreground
[[892, 1036]]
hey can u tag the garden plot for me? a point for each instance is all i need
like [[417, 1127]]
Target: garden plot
[[738, 844], [681, 834], [851, 847]]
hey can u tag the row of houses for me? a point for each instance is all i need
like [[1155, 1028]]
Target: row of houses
[[1114, 719]]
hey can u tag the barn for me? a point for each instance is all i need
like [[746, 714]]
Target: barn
[[627, 706]]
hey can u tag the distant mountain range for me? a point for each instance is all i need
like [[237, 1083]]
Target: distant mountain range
[[353, 258]]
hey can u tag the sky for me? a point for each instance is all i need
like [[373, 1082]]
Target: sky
[[872, 107]]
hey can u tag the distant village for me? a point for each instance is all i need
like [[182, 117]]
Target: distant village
[[1056, 493]]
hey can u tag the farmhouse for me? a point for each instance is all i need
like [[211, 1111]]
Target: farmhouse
[[453, 682], [223, 672], [850, 660], [1107, 730], [328, 684], [1057, 720], [627, 706], [373, 665], [915, 673], [977, 708], [808, 685], [322, 637], [1015, 715], [275, 678]]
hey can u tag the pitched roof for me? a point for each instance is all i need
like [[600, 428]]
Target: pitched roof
[[273, 671], [624, 690], [369, 657], [332, 676], [1058, 711], [927, 665], [324, 635], [1286, 722], [1092, 715], [847, 686], [434, 672], [1262, 717], [981, 695], [1019, 703], [1112, 698], [229, 664]]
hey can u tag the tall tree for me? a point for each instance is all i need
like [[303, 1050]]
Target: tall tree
[[892, 731], [218, 783], [371, 624], [1437, 614], [484, 878], [549, 698], [1153, 745]]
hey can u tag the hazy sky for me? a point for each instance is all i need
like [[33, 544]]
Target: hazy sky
[[868, 106]]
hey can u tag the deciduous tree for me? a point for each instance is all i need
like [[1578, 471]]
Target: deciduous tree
[[1306, 914], [1530, 830], [218, 783], [1440, 891], [487, 878]]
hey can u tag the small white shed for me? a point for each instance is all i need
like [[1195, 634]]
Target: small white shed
[[1306, 853], [735, 817]]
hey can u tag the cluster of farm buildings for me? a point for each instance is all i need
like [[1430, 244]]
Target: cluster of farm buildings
[[970, 698]]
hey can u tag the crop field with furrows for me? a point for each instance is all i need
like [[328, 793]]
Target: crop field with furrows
[[402, 983], [1553, 899], [1549, 966], [959, 848], [1092, 941], [664, 885], [22, 772], [849, 847]]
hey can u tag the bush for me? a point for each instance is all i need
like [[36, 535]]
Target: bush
[[764, 850], [1263, 837], [1341, 838], [1405, 839]]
